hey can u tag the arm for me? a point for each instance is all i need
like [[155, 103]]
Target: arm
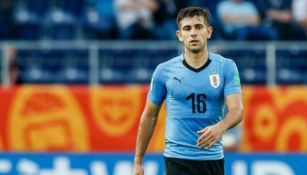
[[131, 5], [280, 15], [235, 108], [146, 128], [251, 20], [229, 17], [210, 135]]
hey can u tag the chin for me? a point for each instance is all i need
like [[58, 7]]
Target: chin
[[194, 50]]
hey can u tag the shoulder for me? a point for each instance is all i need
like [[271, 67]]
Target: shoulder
[[219, 59], [169, 64], [164, 69], [226, 64]]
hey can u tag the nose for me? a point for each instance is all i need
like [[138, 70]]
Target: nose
[[193, 32]]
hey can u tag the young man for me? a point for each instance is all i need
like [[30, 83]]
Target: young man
[[195, 87]]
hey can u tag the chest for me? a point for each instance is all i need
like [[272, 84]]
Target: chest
[[208, 83]]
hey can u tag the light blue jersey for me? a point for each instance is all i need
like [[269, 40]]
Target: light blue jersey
[[195, 99]]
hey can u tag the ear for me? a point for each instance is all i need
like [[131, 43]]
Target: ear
[[178, 33], [209, 32]]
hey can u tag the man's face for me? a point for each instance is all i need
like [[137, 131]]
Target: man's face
[[194, 33]]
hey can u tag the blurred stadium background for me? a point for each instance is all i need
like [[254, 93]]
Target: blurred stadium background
[[74, 80]]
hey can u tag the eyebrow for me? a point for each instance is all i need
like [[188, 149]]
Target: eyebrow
[[198, 24]]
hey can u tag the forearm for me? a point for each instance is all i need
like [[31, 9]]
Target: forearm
[[144, 134], [233, 117], [252, 20], [152, 5], [282, 16], [303, 22], [211, 134]]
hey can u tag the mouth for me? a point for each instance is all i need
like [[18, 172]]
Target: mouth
[[194, 41]]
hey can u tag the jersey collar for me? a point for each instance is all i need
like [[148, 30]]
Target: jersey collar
[[184, 62]]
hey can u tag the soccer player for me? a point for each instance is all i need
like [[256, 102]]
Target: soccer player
[[196, 86]]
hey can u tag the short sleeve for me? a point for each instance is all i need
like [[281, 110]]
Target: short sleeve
[[231, 78], [157, 91]]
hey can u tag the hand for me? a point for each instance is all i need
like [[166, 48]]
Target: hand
[[138, 169], [209, 135]]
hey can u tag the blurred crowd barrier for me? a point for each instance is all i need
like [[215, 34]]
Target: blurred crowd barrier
[[134, 62]]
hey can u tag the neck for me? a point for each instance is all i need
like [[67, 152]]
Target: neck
[[196, 60]]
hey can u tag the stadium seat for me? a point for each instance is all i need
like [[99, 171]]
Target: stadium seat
[[99, 20], [253, 76], [39, 7], [139, 75], [1, 68], [6, 26], [112, 76], [37, 76], [72, 76], [73, 7], [28, 24], [60, 25], [289, 76], [96, 26], [304, 77]]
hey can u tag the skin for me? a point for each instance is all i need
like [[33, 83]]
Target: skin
[[193, 32], [151, 5], [280, 15], [147, 124]]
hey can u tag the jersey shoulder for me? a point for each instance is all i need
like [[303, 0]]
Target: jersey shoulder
[[163, 70], [170, 63], [219, 58]]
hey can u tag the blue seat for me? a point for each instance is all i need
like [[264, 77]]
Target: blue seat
[[290, 76], [37, 75], [232, 53], [212, 6], [99, 20], [1, 68], [253, 75], [29, 26], [123, 59], [74, 7], [60, 25], [295, 52], [96, 26], [39, 7], [83, 57], [72, 75], [6, 27], [304, 77], [282, 53], [113, 76], [139, 75]]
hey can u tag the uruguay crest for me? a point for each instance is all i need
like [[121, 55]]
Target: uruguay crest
[[215, 80]]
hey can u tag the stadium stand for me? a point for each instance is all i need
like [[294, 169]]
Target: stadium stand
[[134, 62], [80, 21]]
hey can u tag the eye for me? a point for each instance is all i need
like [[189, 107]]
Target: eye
[[198, 27], [186, 28]]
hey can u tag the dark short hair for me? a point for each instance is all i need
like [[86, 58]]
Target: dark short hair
[[191, 12]]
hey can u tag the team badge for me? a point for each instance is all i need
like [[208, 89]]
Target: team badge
[[215, 80]]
